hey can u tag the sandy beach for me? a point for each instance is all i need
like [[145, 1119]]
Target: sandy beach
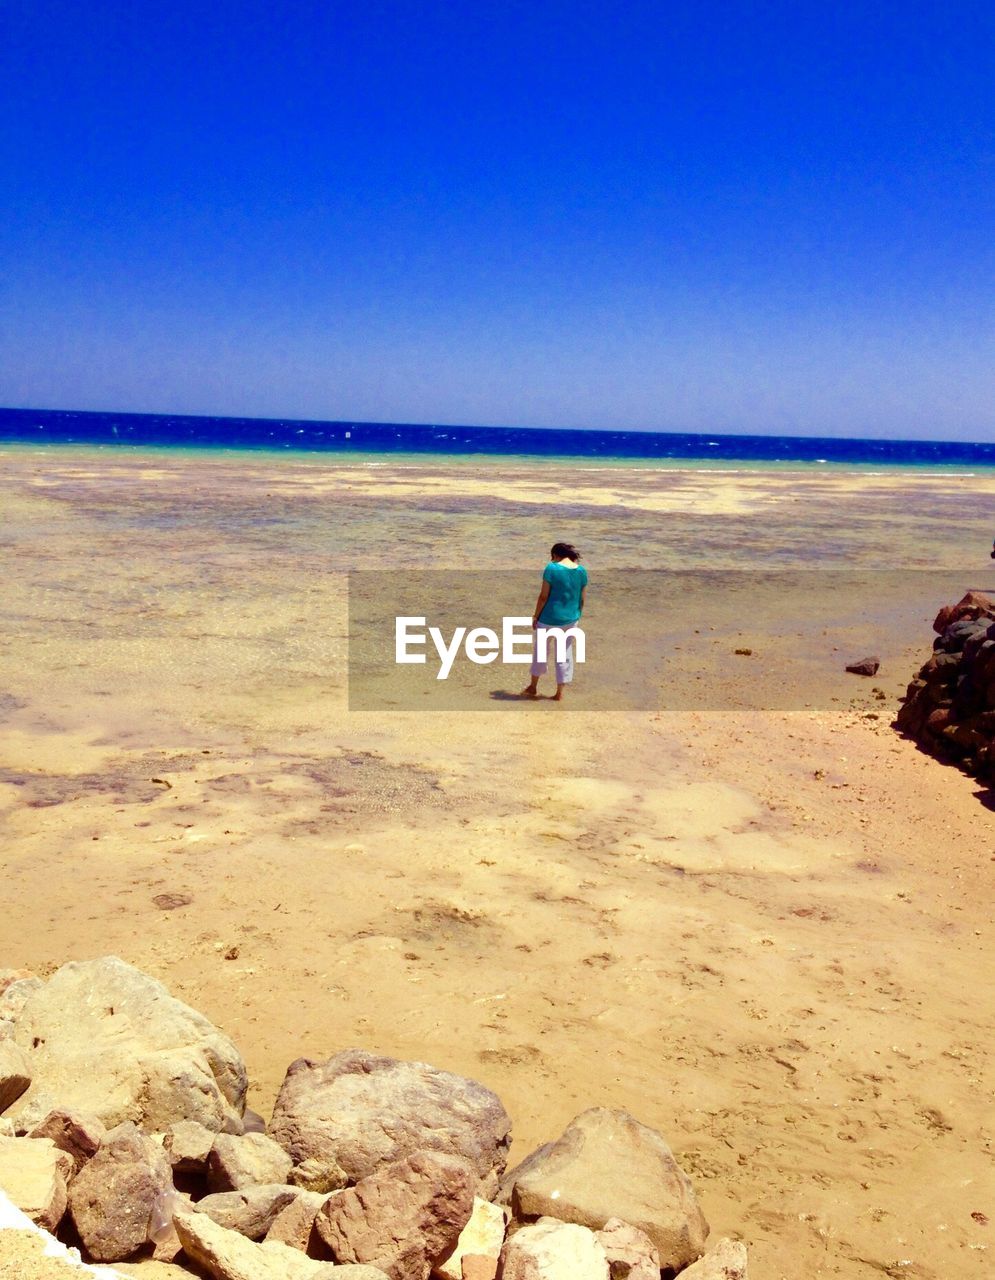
[[765, 933]]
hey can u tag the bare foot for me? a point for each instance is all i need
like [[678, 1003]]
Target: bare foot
[[528, 692], [557, 696]]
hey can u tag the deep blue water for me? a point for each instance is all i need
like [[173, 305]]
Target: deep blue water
[[69, 427]]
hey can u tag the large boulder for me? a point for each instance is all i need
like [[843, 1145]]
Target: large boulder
[[342, 1119], [608, 1165], [102, 1037], [226, 1255], [113, 1199], [248, 1161], [251, 1211], [726, 1260], [553, 1250], [403, 1216], [35, 1174]]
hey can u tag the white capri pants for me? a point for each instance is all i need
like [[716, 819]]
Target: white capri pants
[[540, 665]]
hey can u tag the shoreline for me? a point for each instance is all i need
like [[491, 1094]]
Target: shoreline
[[759, 932], [415, 460]]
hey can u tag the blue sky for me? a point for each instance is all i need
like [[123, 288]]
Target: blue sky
[[727, 217]]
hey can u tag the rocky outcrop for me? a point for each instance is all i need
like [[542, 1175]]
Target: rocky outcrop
[[113, 1199], [608, 1165], [949, 708], [606, 1200], [343, 1119], [403, 1216], [102, 1037]]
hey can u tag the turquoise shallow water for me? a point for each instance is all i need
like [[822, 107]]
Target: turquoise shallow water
[[400, 460]]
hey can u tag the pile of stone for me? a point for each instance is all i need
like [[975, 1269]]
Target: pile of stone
[[124, 1132], [949, 708]]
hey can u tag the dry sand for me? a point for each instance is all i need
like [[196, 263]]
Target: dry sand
[[766, 934]]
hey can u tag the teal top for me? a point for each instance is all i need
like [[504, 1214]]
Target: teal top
[[565, 585]]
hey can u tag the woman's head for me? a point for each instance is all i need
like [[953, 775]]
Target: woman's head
[[564, 551]]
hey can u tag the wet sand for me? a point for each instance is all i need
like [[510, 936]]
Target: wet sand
[[765, 933]]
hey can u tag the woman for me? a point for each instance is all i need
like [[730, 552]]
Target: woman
[[560, 604]]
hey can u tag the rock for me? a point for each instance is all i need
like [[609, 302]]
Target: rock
[[15, 994], [148, 1269], [476, 1267], [252, 1122], [28, 1252], [74, 1132], [864, 667], [959, 634], [632, 1255], [34, 1174], [225, 1255], [403, 1216], [342, 1119], [15, 1072], [104, 1038], [113, 1198], [608, 1165], [971, 607], [187, 1145], [553, 1250], [938, 720], [249, 1161], [482, 1238], [9, 976], [948, 707], [534, 1160], [251, 1211], [294, 1225], [726, 1260]]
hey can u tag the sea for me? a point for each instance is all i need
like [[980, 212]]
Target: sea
[[369, 439]]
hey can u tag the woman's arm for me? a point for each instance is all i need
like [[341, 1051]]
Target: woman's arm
[[543, 597], [583, 593]]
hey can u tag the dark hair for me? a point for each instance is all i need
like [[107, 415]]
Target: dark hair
[[564, 551]]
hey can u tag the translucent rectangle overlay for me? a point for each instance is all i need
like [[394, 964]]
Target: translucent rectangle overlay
[[681, 640]]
